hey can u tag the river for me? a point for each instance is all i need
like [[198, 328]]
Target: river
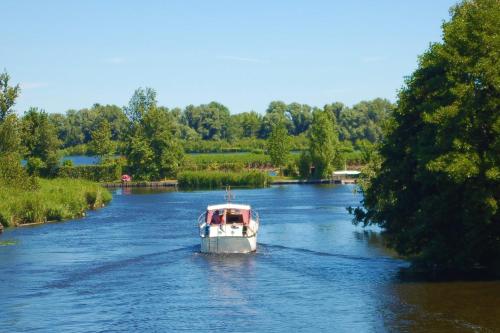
[[134, 266]]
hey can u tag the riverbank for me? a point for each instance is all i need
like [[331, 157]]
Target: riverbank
[[174, 183], [53, 200]]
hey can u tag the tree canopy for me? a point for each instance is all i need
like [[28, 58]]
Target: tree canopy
[[436, 189]]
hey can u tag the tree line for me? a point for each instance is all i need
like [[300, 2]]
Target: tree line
[[214, 121]]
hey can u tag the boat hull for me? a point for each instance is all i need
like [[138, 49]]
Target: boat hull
[[228, 244]]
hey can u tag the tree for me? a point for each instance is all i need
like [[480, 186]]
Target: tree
[[152, 151], [278, 145], [8, 96], [364, 121], [140, 157], [301, 117], [39, 137], [142, 101], [275, 114], [210, 120], [436, 189], [323, 143], [10, 140], [101, 143]]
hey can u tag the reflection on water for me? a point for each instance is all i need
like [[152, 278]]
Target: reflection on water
[[135, 266]]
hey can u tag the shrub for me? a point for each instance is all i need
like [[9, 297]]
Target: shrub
[[219, 179], [102, 172]]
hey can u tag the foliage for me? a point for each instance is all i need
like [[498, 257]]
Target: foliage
[[278, 146], [234, 162], [436, 189], [8, 96], [55, 199], [101, 144], [323, 143], [13, 174], [210, 121], [106, 172], [364, 121], [10, 139], [40, 140], [219, 179], [153, 151]]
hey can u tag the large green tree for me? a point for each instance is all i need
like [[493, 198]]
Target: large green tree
[[323, 143], [40, 140], [436, 189], [153, 150]]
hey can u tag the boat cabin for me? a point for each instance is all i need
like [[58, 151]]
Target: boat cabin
[[228, 214]]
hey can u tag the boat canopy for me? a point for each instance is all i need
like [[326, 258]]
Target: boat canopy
[[229, 213], [228, 206]]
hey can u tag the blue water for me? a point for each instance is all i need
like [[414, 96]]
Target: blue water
[[135, 266], [81, 159]]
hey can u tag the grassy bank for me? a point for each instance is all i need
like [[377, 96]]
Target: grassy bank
[[54, 200], [219, 179]]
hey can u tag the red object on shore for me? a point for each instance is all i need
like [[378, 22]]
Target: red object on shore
[[126, 178]]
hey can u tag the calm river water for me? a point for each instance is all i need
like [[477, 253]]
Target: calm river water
[[134, 266]]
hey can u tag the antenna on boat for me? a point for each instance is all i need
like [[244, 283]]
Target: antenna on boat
[[228, 195]]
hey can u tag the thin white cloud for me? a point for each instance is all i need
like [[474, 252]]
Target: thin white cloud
[[243, 59], [115, 60], [32, 85], [371, 59]]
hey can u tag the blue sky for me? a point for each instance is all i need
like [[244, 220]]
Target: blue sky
[[244, 54]]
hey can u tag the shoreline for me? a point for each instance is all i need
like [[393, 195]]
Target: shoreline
[[174, 183]]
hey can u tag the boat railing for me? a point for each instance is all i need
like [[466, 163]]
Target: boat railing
[[202, 222]]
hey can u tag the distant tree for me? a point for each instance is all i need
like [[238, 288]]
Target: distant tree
[[10, 139], [364, 121], [210, 120], [323, 143], [301, 117], [153, 151], [140, 157], [160, 128], [275, 114], [247, 124], [278, 146], [142, 101], [101, 144], [39, 137], [436, 189], [8, 96]]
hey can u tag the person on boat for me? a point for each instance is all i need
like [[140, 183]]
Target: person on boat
[[216, 218]]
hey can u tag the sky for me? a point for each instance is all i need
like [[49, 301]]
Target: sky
[[243, 54]]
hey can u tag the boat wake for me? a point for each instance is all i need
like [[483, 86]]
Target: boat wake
[[327, 254], [84, 274]]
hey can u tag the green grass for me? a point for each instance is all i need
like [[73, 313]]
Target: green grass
[[55, 200], [220, 179]]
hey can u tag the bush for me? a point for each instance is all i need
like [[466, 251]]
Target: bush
[[102, 172], [227, 162], [218, 179]]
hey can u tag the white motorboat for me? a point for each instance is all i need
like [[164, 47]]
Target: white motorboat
[[228, 228]]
